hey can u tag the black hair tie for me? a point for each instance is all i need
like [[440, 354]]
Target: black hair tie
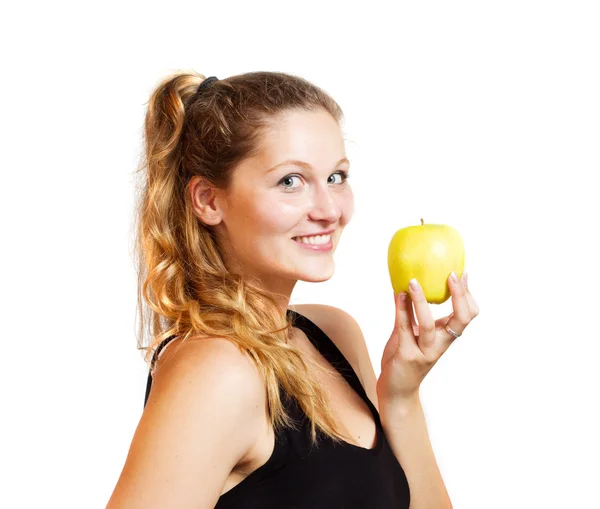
[[206, 83]]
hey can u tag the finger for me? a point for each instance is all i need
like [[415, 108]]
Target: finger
[[440, 323], [473, 307], [403, 322], [461, 315], [424, 315], [413, 320]]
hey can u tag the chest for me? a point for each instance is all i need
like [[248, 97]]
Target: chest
[[350, 411]]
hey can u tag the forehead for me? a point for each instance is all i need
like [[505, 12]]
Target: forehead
[[311, 136]]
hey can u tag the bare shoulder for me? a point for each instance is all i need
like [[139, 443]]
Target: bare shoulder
[[190, 354], [204, 412], [199, 357], [345, 332]]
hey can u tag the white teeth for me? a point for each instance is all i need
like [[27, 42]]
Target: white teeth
[[314, 239]]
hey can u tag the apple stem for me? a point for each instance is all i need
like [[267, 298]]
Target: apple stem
[[422, 222]]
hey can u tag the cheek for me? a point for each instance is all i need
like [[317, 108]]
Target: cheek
[[347, 207], [276, 216], [255, 210]]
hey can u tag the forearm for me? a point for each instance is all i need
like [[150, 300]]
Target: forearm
[[406, 431]]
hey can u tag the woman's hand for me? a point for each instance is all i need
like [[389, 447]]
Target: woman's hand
[[413, 349]]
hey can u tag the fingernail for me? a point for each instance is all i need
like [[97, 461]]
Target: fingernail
[[453, 277], [414, 285]]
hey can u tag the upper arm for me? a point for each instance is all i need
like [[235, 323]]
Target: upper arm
[[202, 416], [346, 333]]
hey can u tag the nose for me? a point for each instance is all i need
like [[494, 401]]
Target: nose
[[325, 206]]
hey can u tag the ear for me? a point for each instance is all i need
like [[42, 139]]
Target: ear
[[205, 198]]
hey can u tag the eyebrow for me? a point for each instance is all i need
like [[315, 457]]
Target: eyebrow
[[302, 164]]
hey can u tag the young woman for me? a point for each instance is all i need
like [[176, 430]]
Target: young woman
[[250, 403]]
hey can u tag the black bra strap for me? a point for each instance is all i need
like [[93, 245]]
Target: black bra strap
[[154, 357]]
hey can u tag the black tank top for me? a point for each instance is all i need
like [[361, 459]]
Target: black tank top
[[330, 476]]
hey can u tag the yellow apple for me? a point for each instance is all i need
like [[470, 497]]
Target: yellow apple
[[427, 252]]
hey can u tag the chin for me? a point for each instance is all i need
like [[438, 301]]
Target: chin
[[317, 275]]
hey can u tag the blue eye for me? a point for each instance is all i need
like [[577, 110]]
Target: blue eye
[[344, 174]]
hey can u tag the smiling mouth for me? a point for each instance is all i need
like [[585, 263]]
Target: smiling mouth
[[314, 240]]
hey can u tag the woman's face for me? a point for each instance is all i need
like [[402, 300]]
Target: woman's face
[[272, 201]]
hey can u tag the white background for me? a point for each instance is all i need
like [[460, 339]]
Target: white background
[[481, 115]]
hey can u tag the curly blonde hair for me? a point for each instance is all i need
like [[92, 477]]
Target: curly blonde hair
[[184, 287]]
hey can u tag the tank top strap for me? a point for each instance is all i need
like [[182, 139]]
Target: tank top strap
[[332, 354]]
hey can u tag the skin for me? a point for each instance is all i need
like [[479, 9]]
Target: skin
[[256, 221]]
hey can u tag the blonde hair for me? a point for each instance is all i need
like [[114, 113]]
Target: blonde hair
[[184, 287]]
